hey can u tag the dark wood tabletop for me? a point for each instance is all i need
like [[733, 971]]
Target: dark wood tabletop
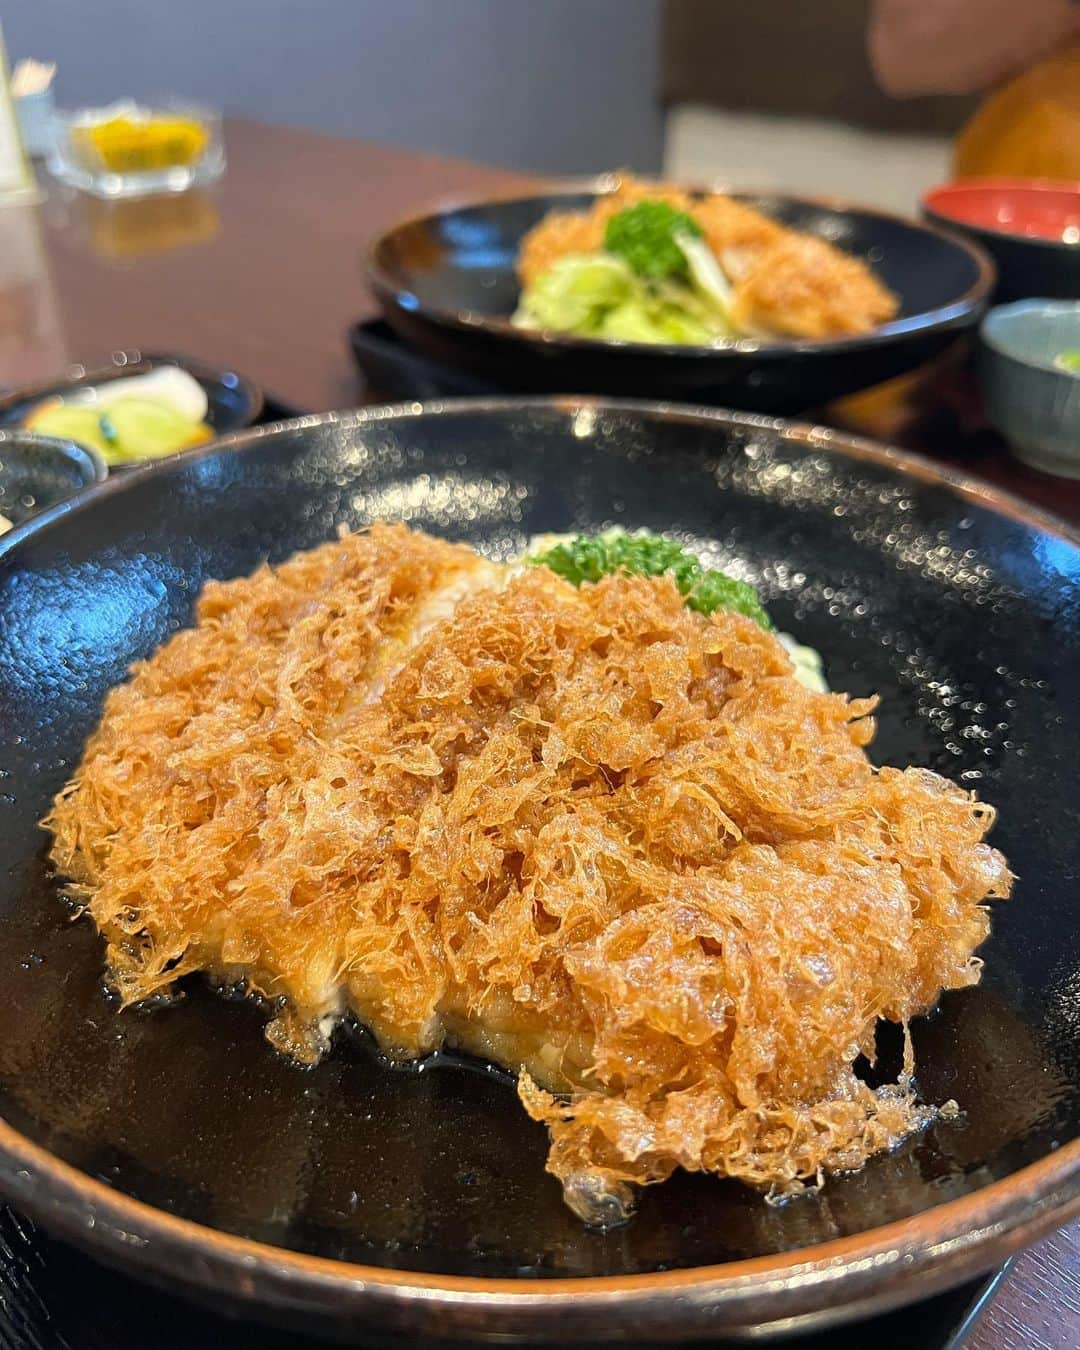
[[264, 273]]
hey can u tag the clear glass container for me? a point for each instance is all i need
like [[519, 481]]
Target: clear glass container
[[132, 150]]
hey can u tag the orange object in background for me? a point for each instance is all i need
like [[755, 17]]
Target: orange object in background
[[1030, 127]]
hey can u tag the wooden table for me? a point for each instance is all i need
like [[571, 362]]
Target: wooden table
[[265, 273]]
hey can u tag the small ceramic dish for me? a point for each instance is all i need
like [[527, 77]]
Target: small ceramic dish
[[1030, 393], [233, 401], [37, 472], [133, 150]]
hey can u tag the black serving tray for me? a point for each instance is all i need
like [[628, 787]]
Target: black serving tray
[[393, 370]]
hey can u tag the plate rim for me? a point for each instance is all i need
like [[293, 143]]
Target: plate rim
[[956, 312], [815, 435], [904, 1261], [873, 1270]]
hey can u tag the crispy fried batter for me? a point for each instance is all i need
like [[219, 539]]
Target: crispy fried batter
[[588, 833], [785, 282], [805, 287]]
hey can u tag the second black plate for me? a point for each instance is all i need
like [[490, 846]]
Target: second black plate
[[446, 282]]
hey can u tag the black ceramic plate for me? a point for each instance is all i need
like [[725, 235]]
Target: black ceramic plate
[[176, 1143], [446, 282], [234, 402]]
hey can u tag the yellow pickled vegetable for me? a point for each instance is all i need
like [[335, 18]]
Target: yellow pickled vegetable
[[129, 429], [144, 430], [71, 422], [138, 145]]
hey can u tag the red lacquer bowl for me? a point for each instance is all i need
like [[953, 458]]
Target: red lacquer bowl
[[1031, 227]]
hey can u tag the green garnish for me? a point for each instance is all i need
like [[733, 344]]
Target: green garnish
[[705, 589], [645, 236], [1070, 361], [108, 431]]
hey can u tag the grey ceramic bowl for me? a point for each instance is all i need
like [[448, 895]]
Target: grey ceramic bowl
[[40, 471], [1033, 401]]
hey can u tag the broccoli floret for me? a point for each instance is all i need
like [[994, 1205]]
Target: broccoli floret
[[645, 236], [705, 589]]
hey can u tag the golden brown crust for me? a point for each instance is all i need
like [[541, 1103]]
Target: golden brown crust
[[562, 232], [806, 288], [588, 832]]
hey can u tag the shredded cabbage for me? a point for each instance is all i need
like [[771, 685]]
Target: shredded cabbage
[[706, 274], [599, 295], [656, 281], [577, 292]]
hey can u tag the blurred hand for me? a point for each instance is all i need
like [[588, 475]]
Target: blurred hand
[[963, 46]]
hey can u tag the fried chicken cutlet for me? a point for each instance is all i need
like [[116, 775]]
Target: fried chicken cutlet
[[784, 282], [603, 840]]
